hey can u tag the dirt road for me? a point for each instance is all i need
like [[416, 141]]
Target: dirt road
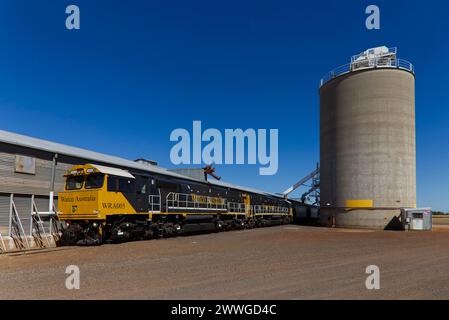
[[286, 262]]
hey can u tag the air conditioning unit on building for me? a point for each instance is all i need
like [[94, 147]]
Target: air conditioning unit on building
[[418, 219]]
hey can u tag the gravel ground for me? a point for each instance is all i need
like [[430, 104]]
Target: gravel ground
[[286, 262]]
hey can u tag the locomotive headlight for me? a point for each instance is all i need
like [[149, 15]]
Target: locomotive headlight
[[95, 225]]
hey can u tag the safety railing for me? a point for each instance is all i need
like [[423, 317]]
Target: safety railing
[[3, 247], [192, 201], [263, 209], [44, 222], [236, 207], [376, 63], [155, 203], [37, 226], [28, 228], [16, 229]]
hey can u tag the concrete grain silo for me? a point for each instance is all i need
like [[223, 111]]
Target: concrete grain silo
[[367, 137]]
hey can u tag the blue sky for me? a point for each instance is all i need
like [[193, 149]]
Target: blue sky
[[139, 69]]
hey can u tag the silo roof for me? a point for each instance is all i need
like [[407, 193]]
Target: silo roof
[[375, 58]]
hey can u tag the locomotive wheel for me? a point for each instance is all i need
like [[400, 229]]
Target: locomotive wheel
[[71, 235]]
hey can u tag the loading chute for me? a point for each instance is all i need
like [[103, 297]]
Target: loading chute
[[312, 182]]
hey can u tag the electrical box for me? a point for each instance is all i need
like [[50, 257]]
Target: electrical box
[[418, 219]]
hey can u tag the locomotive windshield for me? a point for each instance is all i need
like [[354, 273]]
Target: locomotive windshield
[[74, 183], [94, 181], [91, 181]]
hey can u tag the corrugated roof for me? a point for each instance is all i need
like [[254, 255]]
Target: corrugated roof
[[53, 147], [247, 189], [62, 149]]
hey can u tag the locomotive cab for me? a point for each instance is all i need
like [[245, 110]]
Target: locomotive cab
[[93, 196]]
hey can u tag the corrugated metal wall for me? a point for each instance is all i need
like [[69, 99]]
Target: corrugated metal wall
[[4, 214], [37, 184], [23, 206], [24, 185]]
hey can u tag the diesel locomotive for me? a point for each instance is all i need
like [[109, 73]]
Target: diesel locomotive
[[106, 204]]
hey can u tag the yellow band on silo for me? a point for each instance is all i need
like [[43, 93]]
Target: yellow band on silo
[[359, 203]]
